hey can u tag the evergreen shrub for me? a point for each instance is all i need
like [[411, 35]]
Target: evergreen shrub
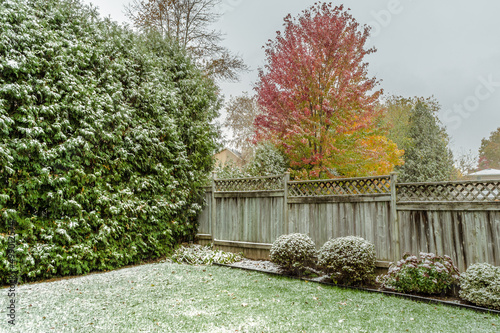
[[267, 160], [480, 284], [350, 260], [105, 140], [294, 253]]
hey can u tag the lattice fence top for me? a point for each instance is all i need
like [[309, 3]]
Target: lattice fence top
[[470, 191], [250, 184], [348, 186]]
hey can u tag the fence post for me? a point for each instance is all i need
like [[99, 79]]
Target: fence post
[[286, 179], [213, 208], [394, 218]]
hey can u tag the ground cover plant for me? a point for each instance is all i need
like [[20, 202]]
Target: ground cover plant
[[203, 255], [431, 274], [168, 297], [105, 140]]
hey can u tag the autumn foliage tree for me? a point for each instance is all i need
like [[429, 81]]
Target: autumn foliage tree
[[489, 152], [318, 101]]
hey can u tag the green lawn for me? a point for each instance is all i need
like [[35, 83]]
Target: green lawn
[[168, 297]]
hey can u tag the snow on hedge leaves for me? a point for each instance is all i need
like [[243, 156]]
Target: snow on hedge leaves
[[105, 138]]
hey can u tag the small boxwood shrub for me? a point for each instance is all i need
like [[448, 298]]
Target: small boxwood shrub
[[351, 259], [431, 274], [293, 253], [480, 285]]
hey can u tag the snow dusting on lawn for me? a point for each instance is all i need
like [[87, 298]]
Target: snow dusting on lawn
[[169, 297], [91, 303]]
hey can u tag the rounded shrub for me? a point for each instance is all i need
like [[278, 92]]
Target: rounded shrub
[[431, 274], [351, 259], [293, 252], [480, 285]]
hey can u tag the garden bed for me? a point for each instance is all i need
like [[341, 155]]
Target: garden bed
[[271, 268]]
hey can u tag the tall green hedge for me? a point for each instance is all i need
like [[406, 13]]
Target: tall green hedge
[[105, 140]]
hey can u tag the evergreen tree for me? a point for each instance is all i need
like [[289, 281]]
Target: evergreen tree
[[105, 140], [267, 160], [396, 116], [427, 156]]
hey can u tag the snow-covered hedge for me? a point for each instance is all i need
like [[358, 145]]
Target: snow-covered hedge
[[105, 140], [480, 284], [351, 259]]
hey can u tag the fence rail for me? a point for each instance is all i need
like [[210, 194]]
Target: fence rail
[[459, 219], [249, 184], [347, 186], [466, 191]]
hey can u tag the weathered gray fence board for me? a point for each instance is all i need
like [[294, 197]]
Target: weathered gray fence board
[[466, 236], [246, 219], [323, 221], [204, 219]]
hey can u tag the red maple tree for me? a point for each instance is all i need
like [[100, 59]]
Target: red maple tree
[[318, 101]]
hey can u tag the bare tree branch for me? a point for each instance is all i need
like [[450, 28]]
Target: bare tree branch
[[187, 22]]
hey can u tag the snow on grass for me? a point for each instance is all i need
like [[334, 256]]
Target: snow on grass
[[169, 297]]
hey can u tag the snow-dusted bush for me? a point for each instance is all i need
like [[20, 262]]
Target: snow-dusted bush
[[431, 274], [351, 259], [267, 160], [293, 252], [480, 285], [229, 170], [105, 140]]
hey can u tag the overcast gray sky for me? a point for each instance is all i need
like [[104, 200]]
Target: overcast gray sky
[[449, 49]]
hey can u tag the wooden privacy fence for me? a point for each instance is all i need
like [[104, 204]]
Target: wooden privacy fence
[[459, 219]]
